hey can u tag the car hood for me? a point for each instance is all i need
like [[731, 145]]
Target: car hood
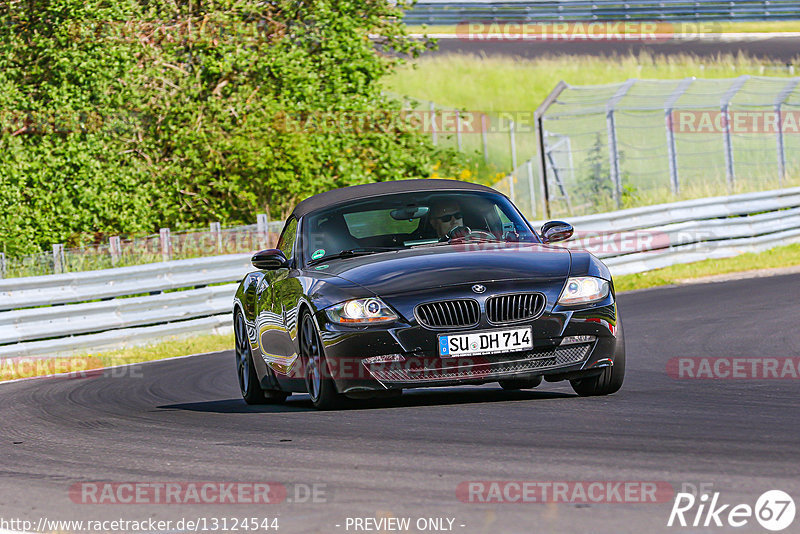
[[424, 268]]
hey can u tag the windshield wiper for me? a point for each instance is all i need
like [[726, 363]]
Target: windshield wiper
[[461, 241], [361, 251]]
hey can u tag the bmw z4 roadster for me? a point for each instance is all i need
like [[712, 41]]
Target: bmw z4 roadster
[[418, 283]]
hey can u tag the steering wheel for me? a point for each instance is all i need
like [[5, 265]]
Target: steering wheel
[[467, 234], [458, 232]]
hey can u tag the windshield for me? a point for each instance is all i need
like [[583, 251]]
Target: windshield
[[409, 220]]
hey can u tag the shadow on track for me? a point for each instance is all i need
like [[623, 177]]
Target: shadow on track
[[418, 398]]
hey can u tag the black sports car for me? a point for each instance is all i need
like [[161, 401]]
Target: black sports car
[[417, 283]]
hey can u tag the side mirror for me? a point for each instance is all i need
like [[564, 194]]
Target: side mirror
[[553, 231], [269, 260]]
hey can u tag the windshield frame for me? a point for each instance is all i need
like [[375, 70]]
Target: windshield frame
[[303, 252]]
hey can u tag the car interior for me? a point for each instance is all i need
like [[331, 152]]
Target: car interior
[[378, 225]]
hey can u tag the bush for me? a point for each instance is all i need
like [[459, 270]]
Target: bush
[[127, 116]]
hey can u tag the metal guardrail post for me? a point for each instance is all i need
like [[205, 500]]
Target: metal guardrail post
[[538, 116], [730, 172], [2, 264], [115, 249], [58, 258], [672, 153], [216, 235], [165, 240], [779, 100], [613, 151]]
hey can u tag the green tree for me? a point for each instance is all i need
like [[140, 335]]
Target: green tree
[[124, 116], [595, 187]]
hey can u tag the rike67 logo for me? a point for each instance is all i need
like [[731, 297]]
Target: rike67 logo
[[774, 510]]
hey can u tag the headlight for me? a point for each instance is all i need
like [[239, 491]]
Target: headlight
[[361, 311], [583, 289]]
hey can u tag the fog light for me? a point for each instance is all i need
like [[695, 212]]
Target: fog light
[[574, 340], [386, 358]]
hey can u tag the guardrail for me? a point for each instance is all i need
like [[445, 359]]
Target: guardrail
[[583, 10], [94, 310], [641, 239], [67, 288], [98, 310]]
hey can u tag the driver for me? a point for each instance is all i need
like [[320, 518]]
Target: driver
[[445, 216]]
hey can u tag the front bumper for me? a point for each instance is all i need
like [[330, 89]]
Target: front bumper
[[408, 355], [426, 372]]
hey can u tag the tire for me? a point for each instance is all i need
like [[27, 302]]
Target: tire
[[319, 383], [607, 382], [514, 385], [249, 385]]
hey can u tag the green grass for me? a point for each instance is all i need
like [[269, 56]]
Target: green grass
[[500, 84], [14, 368], [785, 256]]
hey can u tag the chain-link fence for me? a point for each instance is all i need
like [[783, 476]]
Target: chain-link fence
[[644, 142], [492, 143]]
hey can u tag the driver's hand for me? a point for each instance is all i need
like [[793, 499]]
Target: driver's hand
[[458, 232]]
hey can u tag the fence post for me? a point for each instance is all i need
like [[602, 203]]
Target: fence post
[[262, 221], [730, 172], [779, 100], [115, 249], [166, 244], [613, 158], [2, 264], [531, 188], [484, 137], [58, 258], [672, 153], [216, 235], [458, 129], [726, 129], [513, 141], [613, 151], [433, 122], [538, 117]]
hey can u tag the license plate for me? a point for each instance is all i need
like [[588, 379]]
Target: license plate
[[488, 342]]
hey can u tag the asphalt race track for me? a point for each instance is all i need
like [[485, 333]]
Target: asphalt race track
[[183, 420], [776, 49]]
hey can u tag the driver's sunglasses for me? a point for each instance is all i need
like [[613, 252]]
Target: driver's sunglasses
[[446, 218]]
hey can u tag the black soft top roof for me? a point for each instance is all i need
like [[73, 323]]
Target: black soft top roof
[[357, 192]]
